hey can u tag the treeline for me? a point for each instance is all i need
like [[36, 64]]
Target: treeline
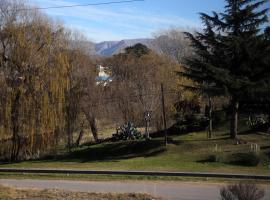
[[50, 94], [232, 58], [41, 72], [49, 89]]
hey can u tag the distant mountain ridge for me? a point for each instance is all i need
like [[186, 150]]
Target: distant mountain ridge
[[109, 48]]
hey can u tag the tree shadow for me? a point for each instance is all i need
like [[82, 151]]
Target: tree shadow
[[171, 132], [117, 151], [211, 139], [206, 160], [109, 152], [247, 132], [254, 131]]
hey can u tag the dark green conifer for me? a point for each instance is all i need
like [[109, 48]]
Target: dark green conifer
[[231, 54]]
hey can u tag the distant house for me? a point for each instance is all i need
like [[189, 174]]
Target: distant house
[[103, 78]]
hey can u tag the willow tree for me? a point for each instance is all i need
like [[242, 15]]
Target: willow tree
[[81, 91], [33, 72]]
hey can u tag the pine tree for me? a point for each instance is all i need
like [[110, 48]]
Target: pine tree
[[228, 53], [138, 50], [258, 100], [203, 82]]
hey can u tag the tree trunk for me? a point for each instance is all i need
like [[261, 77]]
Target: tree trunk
[[15, 127], [69, 135], [93, 126], [234, 119], [92, 123], [146, 129], [210, 129], [79, 138], [268, 130]]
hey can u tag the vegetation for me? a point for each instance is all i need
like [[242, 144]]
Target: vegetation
[[51, 96], [245, 159], [174, 44], [127, 132], [242, 191], [227, 50], [50, 93], [152, 155], [137, 75], [7, 193]]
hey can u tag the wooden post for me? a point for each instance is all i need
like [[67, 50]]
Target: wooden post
[[164, 114], [210, 118]]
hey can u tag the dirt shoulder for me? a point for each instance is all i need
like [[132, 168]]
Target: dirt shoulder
[[8, 193]]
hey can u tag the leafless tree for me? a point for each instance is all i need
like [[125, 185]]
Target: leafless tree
[[136, 84], [173, 43]]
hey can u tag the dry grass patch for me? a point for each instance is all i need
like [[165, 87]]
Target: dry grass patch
[[7, 193]]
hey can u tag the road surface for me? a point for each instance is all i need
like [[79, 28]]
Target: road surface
[[167, 190]]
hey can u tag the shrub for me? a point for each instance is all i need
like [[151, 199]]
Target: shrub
[[245, 159], [127, 132], [241, 191], [190, 123], [215, 157], [259, 122]]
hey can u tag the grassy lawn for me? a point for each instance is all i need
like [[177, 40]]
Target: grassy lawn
[[184, 153], [7, 193]]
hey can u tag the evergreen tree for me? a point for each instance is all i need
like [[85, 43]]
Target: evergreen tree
[[258, 100], [229, 53], [138, 50]]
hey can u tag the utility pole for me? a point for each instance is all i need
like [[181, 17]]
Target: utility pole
[[147, 118], [210, 118], [164, 114]]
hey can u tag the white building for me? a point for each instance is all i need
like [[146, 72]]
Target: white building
[[103, 77]]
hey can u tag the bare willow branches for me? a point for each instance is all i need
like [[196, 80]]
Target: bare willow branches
[[39, 82]]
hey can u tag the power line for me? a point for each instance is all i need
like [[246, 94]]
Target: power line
[[82, 5]]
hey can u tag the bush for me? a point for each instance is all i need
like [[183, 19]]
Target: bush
[[127, 132], [241, 191], [215, 157], [190, 123], [244, 159], [259, 122]]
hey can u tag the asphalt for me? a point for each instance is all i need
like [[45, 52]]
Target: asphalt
[[166, 190]]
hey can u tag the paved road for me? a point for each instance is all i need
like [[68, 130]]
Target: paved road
[[166, 190]]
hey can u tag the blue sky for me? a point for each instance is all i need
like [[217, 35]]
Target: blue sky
[[129, 20]]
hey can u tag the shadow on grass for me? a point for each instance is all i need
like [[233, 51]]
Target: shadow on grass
[[118, 150], [247, 132], [265, 148], [172, 133], [204, 161], [226, 138], [110, 152]]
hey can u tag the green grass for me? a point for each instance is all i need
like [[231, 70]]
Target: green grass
[[124, 177], [183, 153]]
